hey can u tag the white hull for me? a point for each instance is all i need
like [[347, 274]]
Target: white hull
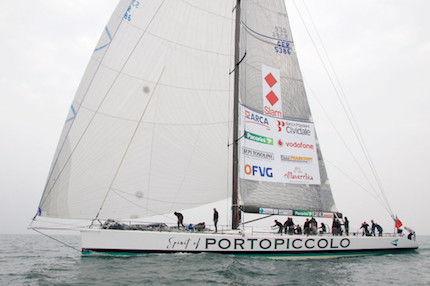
[[125, 241]]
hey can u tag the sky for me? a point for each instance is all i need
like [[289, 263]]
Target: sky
[[379, 51]]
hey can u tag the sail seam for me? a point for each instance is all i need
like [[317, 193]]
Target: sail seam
[[155, 123], [129, 144], [264, 36], [207, 11], [117, 191], [164, 84], [43, 198]]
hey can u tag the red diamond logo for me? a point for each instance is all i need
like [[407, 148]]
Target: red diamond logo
[[272, 98], [270, 79]]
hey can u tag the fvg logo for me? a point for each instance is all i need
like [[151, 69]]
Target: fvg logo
[[258, 171]]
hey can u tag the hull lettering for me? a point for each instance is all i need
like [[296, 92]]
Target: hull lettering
[[294, 245], [266, 243]]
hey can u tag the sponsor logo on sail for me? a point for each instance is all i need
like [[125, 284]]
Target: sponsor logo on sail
[[286, 212], [257, 119], [258, 138], [292, 158], [272, 103], [299, 145], [267, 211], [328, 215], [295, 128], [298, 175], [258, 154], [258, 171], [303, 213]]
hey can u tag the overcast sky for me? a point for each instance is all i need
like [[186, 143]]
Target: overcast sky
[[380, 51]]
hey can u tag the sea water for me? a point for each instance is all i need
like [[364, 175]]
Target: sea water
[[38, 260]]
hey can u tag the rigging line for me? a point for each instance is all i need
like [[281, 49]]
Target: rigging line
[[190, 158], [238, 63], [376, 197], [340, 136], [376, 194], [70, 225], [354, 126], [73, 121], [228, 145], [360, 137], [53, 238], [129, 143], [101, 103], [260, 218]]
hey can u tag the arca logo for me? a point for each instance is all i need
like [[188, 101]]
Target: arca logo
[[257, 119], [258, 171]]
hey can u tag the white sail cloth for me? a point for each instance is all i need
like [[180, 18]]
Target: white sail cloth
[[167, 62]]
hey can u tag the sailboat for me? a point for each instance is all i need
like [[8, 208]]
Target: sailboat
[[183, 105]]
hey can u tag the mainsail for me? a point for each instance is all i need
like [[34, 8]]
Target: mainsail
[[280, 162], [149, 126]]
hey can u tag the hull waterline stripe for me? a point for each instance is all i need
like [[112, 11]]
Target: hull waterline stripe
[[293, 252]]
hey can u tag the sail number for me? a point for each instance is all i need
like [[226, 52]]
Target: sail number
[[280, 33], [283, 47], [134, 4]]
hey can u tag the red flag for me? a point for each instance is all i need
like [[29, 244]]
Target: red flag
[[398, 223]]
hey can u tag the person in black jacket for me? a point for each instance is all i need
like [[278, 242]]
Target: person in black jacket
[[365, 228], [306, 227], [180, 219], [346, 225], [278, 224], [216, 219], [289, 226]]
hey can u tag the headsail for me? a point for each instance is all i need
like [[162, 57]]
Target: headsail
[[167, 62], [280, 162]]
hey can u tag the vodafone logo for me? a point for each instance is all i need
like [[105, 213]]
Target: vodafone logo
[[271, 91]]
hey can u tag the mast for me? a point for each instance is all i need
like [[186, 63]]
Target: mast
[[235, 207]]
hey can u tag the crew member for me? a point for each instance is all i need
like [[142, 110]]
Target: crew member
[[216, 219], [180, 219], [278, 224]]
